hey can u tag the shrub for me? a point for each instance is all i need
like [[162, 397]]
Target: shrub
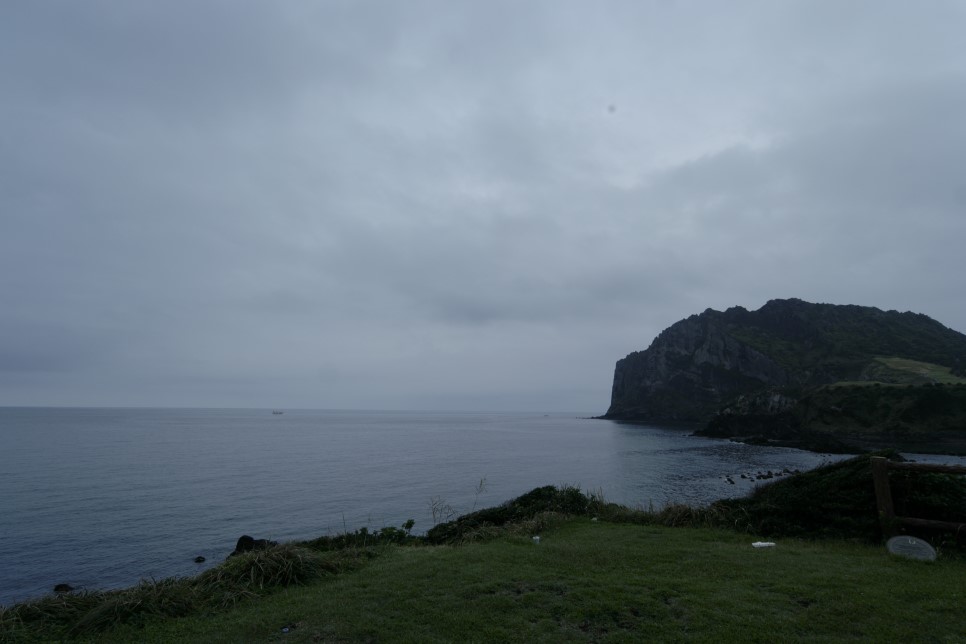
[[566, 500]]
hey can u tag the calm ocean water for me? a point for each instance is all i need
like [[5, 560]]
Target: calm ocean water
[[100, 498]]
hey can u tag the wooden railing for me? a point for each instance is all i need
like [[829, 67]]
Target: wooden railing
[[883, 494]]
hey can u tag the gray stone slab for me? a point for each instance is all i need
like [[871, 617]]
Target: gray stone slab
[[911, 548]]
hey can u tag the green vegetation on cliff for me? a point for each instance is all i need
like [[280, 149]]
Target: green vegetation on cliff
[[820, 343], [855, 417]]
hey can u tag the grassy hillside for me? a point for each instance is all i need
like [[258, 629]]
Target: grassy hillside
[[902, 371], [601, 582]]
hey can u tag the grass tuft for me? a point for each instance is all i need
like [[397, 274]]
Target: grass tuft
[[247, 575]]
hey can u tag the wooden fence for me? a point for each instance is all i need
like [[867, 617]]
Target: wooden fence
[[883, 494]]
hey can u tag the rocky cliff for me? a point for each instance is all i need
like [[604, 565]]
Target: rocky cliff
[[689, 371], [700, 365]]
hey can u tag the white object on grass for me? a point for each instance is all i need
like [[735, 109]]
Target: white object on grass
[[536, 539], [911, 548], [763, 544]]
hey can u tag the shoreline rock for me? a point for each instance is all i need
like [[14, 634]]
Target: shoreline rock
[[247, 543]]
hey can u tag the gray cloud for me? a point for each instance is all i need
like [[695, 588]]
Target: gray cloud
[[440, 204]]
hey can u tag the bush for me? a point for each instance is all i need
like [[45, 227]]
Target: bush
[[838, 501], [567, 500], [362, 538]]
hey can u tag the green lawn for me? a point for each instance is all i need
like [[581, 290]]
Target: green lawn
[[596, 581], [902, 372], [937, 373]]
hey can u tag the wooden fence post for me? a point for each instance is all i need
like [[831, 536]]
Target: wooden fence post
[[883, 495]]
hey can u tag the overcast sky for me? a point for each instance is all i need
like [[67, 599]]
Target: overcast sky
[[454, 205]]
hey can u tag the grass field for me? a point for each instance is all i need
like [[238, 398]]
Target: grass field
[[937, 373], [602, 582], [899, 372]]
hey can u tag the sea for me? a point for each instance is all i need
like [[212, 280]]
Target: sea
[[103, 498]]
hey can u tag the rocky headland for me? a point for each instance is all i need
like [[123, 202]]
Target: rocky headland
[[825, 377]]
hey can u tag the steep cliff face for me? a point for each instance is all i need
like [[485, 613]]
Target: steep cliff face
[[689, 371], [700, 364]]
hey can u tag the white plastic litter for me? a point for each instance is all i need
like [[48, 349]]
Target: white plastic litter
[[763, 544], [536, 539]]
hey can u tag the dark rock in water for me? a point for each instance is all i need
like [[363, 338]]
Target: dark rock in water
[[199, 559], [63, 588], [248, 544]]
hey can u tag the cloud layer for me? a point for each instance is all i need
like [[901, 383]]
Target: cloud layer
[[454, 205]]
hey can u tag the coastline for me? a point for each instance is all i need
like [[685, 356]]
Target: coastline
[[256, 588]]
